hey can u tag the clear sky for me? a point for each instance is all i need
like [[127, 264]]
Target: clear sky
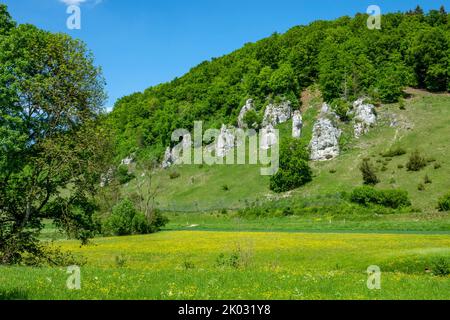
[[140, 43]]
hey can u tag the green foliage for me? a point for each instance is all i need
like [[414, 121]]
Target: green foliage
[[428, 54], [294, 170], [368, 172], [387, 198], [341, 107], [416, 161], [126, 220], [253, 119], [343, 57], [441, 267], [394, 152], [51, 139], [174, 175], [6, 22], [444, 203], [123, 175], [120, 222]]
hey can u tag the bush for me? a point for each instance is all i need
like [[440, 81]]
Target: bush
[[294, 170], [121, 219], [174, 175], [416, 162], [123, 176], [441, 267], [140, 224], [444, 203], [252, 119], [421, 187], [341, 108], [368, 173], [126, 220], [387, 198], [394, 152]]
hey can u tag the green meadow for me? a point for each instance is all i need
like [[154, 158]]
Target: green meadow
[[243, 265]]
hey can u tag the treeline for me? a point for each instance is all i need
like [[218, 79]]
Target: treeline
[[343, 57]]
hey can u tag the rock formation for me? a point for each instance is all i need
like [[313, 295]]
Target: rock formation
[[248, 106], [325, 141], [106, 178], [364, 117], [225, 141], [168, 160], [297, 124], [127, 161], [268, 137], [276, 114]]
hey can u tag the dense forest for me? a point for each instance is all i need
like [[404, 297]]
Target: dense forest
[[344, 58]]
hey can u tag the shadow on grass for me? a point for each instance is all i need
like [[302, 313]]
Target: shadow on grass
[[14, 294]]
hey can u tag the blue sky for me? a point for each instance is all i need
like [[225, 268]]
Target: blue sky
[[140, 43]]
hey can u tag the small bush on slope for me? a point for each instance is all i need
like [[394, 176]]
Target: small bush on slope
[[444, 203]]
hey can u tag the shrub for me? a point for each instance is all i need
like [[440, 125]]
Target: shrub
[[437, 166], [416, 162], [120, 221], [126, 220], [394, 152], [123, 176], [401, 103], [294, 170], [225, 187], [140, 224], [444, 203], [252, 119], [341, 108], [421, 187], [427, 180], [441, 267], [387, 198], [368, 173], [174, 175]]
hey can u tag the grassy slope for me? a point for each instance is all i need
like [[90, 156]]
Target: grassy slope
[[184, 265], [201, 188]]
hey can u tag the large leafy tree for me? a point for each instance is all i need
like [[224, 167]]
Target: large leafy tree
[[52, 148], [429, 57]]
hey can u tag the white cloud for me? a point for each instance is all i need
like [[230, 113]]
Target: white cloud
[[72, 2], [78, 2]]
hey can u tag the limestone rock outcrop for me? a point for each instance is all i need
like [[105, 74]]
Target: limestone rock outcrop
[[106, 178], [127, 161], [325, 141], [268, 137], [364, 117], [168, 159], [248, 106], [277, 113], [225, 141], [297, 124]]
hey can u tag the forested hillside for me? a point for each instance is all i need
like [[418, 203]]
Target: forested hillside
[[344, 57]]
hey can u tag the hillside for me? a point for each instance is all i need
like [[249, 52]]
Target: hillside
[[343, 57], [423, 125]]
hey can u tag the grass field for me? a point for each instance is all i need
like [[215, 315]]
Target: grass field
[[247, 265], [320, 252]]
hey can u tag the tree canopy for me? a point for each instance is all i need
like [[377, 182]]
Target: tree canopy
[[52, 148], [343, 56]]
